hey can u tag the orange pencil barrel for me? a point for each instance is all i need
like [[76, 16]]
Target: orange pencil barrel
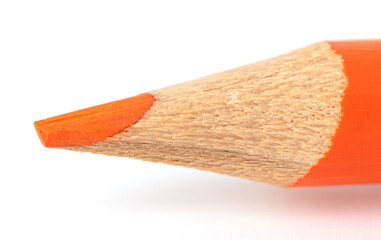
[[355, 154]]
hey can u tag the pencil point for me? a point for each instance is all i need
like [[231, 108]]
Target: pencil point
[[94, 124], [42, 134]]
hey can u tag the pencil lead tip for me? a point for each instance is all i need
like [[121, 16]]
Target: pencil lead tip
[[42, 134], [94, 124]]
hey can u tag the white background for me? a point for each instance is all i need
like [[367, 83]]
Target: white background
[[59, 56]]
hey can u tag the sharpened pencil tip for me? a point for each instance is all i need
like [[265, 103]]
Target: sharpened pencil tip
[[42, 134]]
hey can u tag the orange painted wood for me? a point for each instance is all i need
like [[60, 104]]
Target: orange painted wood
[[355, 154], [90, 125]]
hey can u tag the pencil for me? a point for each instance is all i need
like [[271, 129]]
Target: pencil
[[309, 117]]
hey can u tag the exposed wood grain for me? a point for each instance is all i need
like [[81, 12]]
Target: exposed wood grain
[[269, 121]]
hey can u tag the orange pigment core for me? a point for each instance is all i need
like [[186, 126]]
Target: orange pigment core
[[355, 153], [94, 124]]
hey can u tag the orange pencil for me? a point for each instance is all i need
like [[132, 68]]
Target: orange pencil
[[309, 117]]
